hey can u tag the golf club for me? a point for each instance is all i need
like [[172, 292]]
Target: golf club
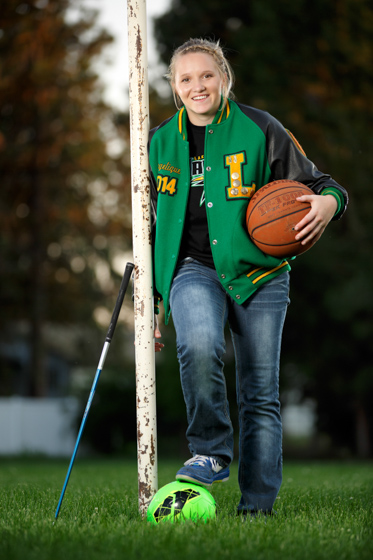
[[109, 336]]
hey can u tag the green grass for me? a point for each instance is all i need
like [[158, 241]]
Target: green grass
[[324, 511]]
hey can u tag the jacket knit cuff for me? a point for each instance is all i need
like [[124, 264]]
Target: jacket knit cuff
[[337, 195]]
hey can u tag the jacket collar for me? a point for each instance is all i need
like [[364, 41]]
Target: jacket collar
[[221, 115]]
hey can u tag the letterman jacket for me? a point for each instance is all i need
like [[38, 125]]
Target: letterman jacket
[[245, 148]]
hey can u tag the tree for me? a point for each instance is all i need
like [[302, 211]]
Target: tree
[[312, 69], [65, 202]]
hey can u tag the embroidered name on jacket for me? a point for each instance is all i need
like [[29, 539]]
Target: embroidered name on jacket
[[236, 188], [168, 167]]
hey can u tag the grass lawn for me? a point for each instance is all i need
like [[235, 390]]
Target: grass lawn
[[324, 511]]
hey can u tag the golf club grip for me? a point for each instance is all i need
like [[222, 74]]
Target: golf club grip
[[118, 304]]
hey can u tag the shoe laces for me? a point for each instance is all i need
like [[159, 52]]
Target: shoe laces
[[203, 461]]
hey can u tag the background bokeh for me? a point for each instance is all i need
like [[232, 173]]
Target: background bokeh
[[65, 209]]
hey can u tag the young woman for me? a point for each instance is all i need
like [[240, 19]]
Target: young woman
[[206, 163]]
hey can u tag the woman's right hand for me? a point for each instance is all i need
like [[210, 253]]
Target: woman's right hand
[[157, 334]]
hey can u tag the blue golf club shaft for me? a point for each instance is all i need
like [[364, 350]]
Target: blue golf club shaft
[[109, 336]]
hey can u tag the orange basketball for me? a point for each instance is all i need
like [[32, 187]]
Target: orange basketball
[[272, 214]]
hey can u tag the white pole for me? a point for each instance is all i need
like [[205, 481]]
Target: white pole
[[141, 231]]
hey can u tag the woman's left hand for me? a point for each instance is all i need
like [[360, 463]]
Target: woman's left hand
[[312, 226]]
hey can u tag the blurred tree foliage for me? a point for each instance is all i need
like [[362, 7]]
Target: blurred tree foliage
[[312, 68], [65, 187]]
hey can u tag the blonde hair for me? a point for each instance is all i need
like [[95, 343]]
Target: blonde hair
[[205, 46]]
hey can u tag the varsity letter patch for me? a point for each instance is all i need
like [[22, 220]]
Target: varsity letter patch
[[236, 188]]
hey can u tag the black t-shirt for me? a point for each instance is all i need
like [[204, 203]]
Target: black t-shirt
[[196, 242]]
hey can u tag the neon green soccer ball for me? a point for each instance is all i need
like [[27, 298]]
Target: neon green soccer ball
[[181, 501]]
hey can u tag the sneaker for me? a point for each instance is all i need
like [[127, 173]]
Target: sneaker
[[203, 470]]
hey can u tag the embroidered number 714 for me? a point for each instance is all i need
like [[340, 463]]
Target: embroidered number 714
[[167, 185]]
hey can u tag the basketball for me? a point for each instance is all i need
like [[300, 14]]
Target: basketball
[[272, 214]]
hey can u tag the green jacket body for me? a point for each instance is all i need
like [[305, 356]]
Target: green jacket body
[[245, 148]]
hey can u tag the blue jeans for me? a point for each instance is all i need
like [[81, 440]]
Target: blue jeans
[[200, 309]]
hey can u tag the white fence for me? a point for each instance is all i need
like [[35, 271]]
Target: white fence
[[299, 420], [30, 425], [49, 427]]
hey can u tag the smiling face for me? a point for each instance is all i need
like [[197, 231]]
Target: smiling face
[[199, 85]]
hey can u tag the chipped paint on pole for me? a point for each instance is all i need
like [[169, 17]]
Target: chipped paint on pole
[[141, 232]]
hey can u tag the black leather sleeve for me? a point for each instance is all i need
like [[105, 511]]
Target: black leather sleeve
[[153, 208], [287, 160]]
